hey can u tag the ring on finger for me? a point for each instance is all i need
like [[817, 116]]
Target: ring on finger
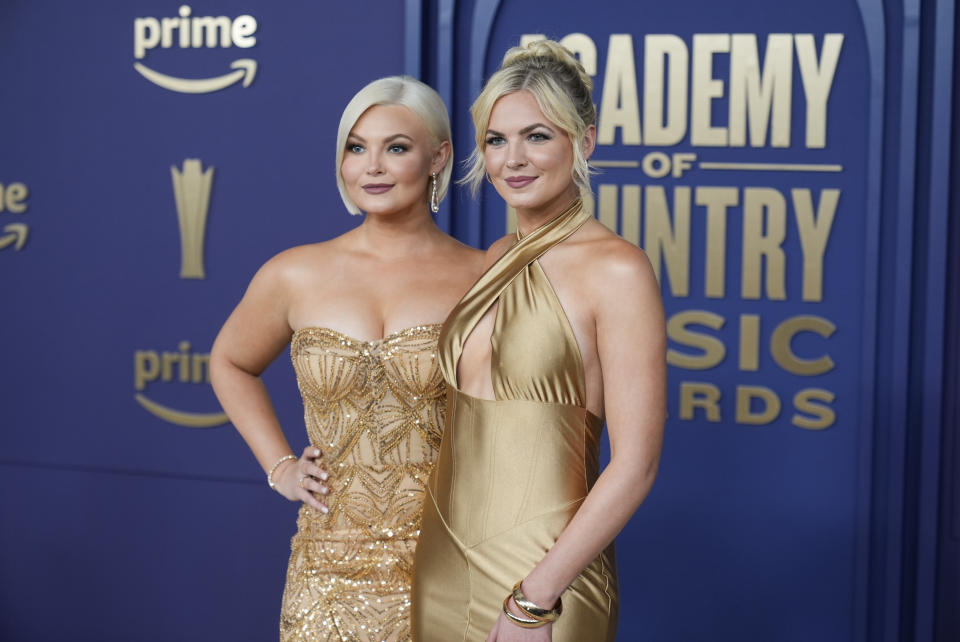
[[300, 483]]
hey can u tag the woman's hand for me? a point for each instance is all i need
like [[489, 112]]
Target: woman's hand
[[303, 480], [506, 631]]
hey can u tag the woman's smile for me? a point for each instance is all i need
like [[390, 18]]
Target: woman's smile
[[520, 181], [376, 188]]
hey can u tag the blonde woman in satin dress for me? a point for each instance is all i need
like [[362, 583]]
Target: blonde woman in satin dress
[[361, 314], [563, 330]]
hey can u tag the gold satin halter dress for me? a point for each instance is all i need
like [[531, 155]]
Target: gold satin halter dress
[[512, 471], [376, 409]]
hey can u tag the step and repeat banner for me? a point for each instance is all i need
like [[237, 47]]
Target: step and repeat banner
[[160, 153], [154, 155]]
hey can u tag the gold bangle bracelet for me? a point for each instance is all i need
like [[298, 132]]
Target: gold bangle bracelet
[[519, 621], [275, 466], [531, 610]]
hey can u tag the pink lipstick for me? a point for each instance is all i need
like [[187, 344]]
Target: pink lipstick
[[520, 181]]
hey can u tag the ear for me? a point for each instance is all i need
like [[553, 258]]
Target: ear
[[441, 155], [589, 141]]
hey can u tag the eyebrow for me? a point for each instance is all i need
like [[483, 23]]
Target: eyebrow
[[388, 139], [525, 130]]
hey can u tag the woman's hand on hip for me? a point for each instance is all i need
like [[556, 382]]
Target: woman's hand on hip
[[305, 480]]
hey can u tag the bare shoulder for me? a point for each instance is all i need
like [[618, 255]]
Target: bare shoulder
[[612, 262], [297, 263], [621, 286]]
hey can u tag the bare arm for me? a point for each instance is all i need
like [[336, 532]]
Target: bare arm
[[252, 337], [631, 343]]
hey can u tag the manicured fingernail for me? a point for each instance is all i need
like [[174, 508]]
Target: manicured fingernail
[[324, 476], [324, 490], [324, 509], [316, 452]]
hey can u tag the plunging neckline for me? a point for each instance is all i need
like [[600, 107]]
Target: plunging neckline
[[569, 218]]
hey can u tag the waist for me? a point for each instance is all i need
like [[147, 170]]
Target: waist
[[503, 462], [355, 524]]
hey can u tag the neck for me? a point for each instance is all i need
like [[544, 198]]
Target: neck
[[530, 219], [398, 234]]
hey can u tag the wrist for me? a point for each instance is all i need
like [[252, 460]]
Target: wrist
[[273, 473], [542, 595], [523, 612]]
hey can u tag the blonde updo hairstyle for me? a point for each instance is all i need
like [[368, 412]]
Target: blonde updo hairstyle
[[409, 92], [563, 90]]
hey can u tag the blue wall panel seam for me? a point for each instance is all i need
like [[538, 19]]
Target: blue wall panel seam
[[939, 188], [896, 419], [444, 56], [484, 13], [413, 38], [127, 472], [873, 18]]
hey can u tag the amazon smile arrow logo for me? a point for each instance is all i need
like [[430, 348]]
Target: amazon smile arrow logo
[[181, 418], [188, 31], [181, 366], [15, 235], [246, 69]]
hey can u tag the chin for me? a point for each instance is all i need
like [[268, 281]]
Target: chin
[[525, 201], [372, 206], [381, 211]]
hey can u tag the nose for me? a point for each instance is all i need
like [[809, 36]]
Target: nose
[[374, 168], [516, 158]]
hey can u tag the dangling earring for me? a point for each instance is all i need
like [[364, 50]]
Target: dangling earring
[[434, 201]]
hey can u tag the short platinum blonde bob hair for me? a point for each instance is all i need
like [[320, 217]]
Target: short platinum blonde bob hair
[[563, 90], [415, 96]]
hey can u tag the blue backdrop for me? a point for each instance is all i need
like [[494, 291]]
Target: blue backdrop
[[786, 166]]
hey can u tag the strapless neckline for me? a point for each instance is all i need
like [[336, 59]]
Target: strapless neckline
[[376, 409], [415, 330]]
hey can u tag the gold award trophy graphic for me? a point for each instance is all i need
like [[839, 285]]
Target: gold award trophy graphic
[[191, 190]]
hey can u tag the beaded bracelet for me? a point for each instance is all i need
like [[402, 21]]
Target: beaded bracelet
[[275, 466]]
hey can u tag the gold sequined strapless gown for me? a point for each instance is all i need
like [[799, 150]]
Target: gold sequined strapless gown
[[376, 410], [512, 471]]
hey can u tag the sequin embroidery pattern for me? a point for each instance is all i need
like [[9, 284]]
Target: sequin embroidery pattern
[[376, 409]]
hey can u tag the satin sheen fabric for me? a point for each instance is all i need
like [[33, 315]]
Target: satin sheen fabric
[[512, 471]]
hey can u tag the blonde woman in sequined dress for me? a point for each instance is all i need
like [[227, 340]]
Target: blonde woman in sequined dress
[[361, 314]]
